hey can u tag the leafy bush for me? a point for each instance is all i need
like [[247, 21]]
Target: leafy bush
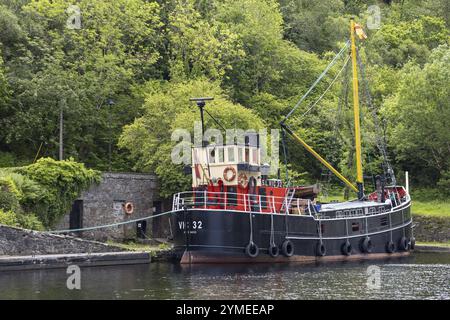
[[6, 159], [29, 221], [444, 182], [8, 217], [60, 183], [9, 195]]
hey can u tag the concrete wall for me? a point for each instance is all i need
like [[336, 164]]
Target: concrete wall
[[17, 241], [104, 204]]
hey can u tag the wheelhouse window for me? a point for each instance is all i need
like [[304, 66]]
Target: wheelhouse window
[[231, 154], [212, 155], [240, 155], [255, 159], [247, 155], [221, 155]]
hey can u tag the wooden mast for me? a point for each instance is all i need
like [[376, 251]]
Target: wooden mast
[[359, 171]]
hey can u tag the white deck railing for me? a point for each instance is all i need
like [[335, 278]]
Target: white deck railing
[[242, 202]]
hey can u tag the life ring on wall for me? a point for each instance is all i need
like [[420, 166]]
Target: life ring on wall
[[243, 180], [129, 208], [226, 174]]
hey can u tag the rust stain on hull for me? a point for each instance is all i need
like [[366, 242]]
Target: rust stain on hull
[[192, 257]]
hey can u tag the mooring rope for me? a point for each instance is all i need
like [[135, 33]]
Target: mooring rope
[[109, 225]]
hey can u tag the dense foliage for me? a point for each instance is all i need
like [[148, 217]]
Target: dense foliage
[[37, 195], [257, 57]]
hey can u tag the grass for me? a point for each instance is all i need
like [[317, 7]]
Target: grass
[[434, 208], [434, 244], [133, 246]]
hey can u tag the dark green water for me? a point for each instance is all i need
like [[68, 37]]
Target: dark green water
[[421, 276]]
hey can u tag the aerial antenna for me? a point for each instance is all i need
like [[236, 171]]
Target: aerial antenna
[[201, 104]]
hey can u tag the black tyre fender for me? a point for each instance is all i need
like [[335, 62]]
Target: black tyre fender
[[320, 249], [287, 248], [403, 244], [252, 250], [390, 247], [346, 248], [412, 243], [366, 245], [274, 251]]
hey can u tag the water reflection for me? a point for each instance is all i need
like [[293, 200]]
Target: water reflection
[[421, 276]]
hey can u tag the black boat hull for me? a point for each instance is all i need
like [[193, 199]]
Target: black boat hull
[[221, 236]]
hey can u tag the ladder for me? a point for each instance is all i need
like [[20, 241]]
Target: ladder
[[287, 200]]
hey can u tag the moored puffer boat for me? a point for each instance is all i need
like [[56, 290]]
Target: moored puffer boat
[[236, 214]]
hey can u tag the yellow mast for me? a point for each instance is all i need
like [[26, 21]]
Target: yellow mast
[[359, 172]]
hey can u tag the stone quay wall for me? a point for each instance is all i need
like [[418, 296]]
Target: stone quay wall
[[17, 241]]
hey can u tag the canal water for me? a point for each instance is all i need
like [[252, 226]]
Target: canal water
[[420, 276]]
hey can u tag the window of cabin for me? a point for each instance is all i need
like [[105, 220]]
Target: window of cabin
[[240, 156], [247, 155], [212, 156], [221, 155], [355, 226], [255, 156], [231, 154]]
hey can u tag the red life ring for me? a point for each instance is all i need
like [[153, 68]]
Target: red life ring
[[129, 208], [243, 180], [226, 176]]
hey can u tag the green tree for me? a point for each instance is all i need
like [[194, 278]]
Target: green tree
[[419, 114], [198, 47], [316, 26], [167, 108], [53, 67], [398, 42], [271, 64]]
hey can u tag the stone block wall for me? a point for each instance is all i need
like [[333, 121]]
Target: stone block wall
[[104, 204]]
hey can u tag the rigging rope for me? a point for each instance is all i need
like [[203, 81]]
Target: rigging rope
[[328, 88], [317, 81], [388, 171], [335, 59]]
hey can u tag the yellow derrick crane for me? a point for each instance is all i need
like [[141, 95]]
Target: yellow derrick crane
[[359, 188]]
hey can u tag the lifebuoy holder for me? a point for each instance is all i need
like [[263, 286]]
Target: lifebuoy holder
[[226, 175], [128, 207]]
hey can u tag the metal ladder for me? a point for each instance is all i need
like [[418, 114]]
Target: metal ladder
[[287, 200]]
